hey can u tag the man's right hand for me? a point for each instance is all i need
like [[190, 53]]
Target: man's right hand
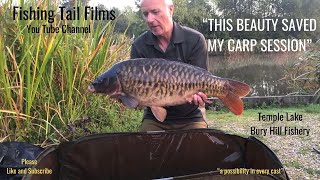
[[200, 99]]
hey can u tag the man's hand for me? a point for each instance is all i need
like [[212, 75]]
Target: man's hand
[[200, 98]]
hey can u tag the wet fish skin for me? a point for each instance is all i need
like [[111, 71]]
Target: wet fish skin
[[157, 83]]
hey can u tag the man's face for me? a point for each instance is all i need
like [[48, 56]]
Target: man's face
[[158, 16]]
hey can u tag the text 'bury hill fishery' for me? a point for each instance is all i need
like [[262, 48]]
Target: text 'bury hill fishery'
[[158, 83]]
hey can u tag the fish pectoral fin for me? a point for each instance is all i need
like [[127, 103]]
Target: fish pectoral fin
[[159, 112], [129, 101]]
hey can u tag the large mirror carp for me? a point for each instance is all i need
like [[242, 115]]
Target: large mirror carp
[[158, 83]]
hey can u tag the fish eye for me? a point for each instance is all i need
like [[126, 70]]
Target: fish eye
[[101, 81]]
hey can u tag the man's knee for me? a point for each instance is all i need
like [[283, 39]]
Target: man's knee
[[150, 125], [196, 125]]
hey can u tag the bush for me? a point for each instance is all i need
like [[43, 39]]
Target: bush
[[304, 76]]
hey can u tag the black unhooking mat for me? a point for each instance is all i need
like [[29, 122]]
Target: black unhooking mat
[[190, 154], [13, 156]]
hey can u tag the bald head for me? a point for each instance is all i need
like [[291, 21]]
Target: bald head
[[167, 2], [158, 16]]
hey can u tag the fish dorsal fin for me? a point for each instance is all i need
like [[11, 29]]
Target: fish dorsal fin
[[129, 101], [159, 112]]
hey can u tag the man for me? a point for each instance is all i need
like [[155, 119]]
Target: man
[[168, 40]]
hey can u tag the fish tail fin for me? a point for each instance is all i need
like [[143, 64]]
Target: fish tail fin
[[231, 99], [238, 88]]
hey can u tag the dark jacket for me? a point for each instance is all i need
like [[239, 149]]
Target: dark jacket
[[187, 45]]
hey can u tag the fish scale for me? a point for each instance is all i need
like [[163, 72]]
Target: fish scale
[[157, 83]]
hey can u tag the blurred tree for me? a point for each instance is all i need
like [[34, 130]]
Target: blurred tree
[[255, 9], [191, 13], [69, 4], [135, 22], [308, 9]]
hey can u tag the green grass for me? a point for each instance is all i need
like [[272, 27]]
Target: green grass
[[312, 109], [229, 122], [294, 164], [294, 151], [224, 115], [105, 115], [44, 76], [304, 151], [312, 171]]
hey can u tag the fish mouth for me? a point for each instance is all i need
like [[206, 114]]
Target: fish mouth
[[91, 88]]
